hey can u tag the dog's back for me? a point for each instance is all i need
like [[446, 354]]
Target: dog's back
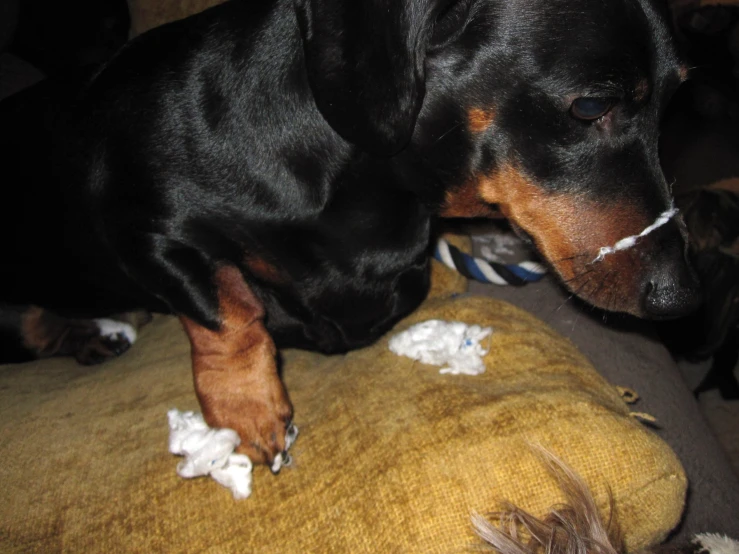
[[201, 140]]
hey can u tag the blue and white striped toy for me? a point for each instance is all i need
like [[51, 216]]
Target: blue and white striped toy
[[486, 271]]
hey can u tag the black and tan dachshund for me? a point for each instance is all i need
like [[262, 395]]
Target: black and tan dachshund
[[271, 172]]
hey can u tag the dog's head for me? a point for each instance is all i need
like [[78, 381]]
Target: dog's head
[[546, 111]]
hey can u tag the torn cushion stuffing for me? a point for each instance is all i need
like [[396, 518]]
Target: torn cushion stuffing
[[392, 456]]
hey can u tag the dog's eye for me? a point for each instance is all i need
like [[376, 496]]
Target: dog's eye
[[450, 21], [590, 108]]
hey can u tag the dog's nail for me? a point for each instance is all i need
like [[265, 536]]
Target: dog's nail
[[290, 435], [277, 464], [287, 460]]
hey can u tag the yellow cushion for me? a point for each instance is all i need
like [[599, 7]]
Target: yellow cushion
[[147, 14], [392, 455]]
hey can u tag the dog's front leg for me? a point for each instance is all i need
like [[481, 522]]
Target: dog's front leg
[[235, 371]]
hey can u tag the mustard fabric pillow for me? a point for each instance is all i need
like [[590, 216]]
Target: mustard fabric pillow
[[147, 14], [392, 455]]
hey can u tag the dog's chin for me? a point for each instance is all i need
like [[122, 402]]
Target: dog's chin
[[617, 281], [601, 287], [614, 305], [621, 284]]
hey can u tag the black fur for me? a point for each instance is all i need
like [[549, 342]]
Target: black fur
[[320, 136]]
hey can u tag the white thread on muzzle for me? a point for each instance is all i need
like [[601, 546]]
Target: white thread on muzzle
[[629, 242]]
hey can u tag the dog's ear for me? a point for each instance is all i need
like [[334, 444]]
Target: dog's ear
[[365, 61]]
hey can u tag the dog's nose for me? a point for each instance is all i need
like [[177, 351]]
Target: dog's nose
[[672, 291]]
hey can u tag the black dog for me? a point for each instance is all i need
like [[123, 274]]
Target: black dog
[[271, 172]]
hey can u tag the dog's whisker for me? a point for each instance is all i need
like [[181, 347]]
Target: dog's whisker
[[445, 133], [570, 258], [578, 276], [614, 292], [601, 284], [608, 282], [574, 321], [574, 293]]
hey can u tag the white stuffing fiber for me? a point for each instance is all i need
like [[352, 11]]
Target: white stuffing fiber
[[210, 451], [455, 345]]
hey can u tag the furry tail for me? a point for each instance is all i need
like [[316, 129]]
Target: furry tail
[[575, 527]]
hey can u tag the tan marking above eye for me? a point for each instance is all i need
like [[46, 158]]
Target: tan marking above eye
[[684, 72], [641, 91], [480, 119]]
